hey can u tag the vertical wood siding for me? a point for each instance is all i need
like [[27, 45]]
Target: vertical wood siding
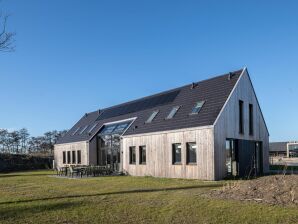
[[159, 154], [227, 125]]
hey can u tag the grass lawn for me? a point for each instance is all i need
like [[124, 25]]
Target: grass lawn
[[35, 197]]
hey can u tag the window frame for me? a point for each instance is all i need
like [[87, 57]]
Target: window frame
[[152, 116], [241, 117], [79, 156], [188, 145], [68, 158], [202, 102], [251, 119], [64, 157], [83, 130], [174, 157], [131, 149], [73, 157], [141, 151], [75, 132], [173, 112]]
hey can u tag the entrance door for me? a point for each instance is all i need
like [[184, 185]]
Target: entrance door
[[258, 163]]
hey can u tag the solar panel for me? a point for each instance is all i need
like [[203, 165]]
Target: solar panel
[[139, 105]]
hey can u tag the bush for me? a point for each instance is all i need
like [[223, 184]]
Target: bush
[[12, 162]]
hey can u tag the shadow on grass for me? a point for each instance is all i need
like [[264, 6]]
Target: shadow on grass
[[116, 193], [21, 211], [23, 175]]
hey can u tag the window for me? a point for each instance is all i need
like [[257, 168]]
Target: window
[[115, 128], [191, 153], [197, 107], [68, 157], [132, 155], [64, 157], [76, 131], [81, 132], [240, 116], [91, 129], [142, 154], [176, 153], [73, 157], [152, 116], [79, 156], [173, 112], [251, 119]]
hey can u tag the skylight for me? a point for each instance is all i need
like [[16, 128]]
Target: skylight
[[76, 131], [115, 128], [197, 107], [152, 116], [91, 129], [173, 112], [81, 132]]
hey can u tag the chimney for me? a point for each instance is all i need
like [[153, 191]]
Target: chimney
[[230, 75]]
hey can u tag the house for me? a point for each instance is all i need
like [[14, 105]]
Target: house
[[205, 130], [283, 149]]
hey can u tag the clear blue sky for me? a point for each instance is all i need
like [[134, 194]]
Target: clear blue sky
[[75, 56]]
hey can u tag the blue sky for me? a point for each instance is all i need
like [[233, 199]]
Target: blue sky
[[76, 56]]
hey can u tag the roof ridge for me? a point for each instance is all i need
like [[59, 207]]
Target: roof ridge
[[166, 91]]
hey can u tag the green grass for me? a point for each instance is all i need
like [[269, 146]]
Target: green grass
[[35, 197]]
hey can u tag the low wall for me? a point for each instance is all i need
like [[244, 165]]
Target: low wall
[[11, 162]]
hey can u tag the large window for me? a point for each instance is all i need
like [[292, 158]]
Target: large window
[[173, 112], [115, 128], [132, 155], [79, 156], [241, 117], [251, 120], [68, 157], [191, 153], [73, 157], [197, 107], [64, 157], [142, 154], [176, 153], [152, 116], [91, 129]]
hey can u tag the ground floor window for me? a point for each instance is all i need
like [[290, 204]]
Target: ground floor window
[[64, 157], [132, 155], [68, 157], [176, 153], [73, 157], [191, 153], [142, 154], [79, 156]]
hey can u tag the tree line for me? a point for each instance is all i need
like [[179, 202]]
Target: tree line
[[20, 142]]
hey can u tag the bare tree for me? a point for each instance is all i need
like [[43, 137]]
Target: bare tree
[[6, 37], [24, 135]]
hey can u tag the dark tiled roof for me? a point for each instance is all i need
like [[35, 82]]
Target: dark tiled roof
[[214, 92], [278, 146]]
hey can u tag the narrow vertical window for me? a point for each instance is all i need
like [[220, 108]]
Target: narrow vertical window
[[79, 156], [73, 157], [251, 120], [191, 153], [132, 155], [142, 154], [176, 153], [240, 116], [68, 157], [64, 157]]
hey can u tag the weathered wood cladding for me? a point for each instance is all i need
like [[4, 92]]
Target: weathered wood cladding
[[159, 154], [74, 146], [227, 125]]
